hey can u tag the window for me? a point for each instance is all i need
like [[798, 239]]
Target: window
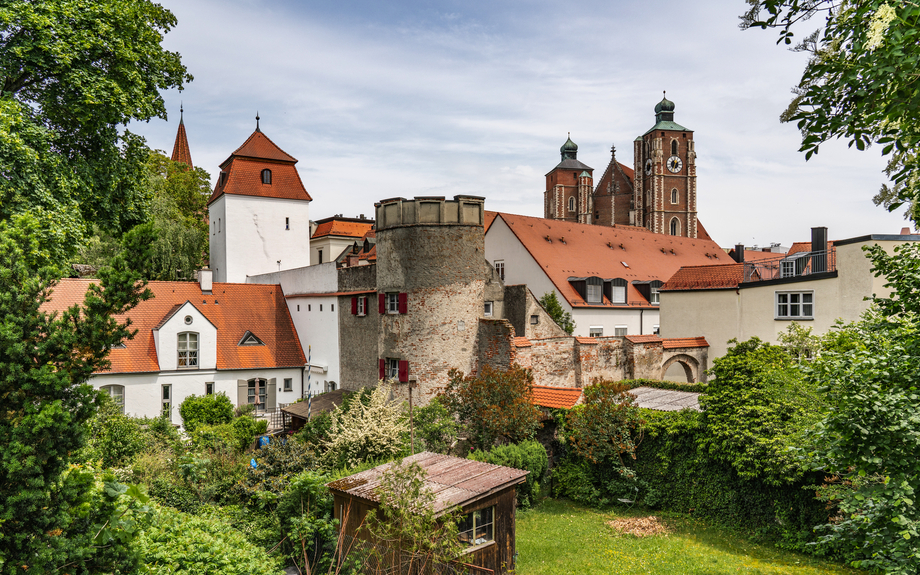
[[392, 369], [258, 388], [487, 309], [209, 388], [620, 330], [534, 319], [618, 291], [594, 292], [117, 393], [674, 198], [476, 527], [673, 147], [571, 203], [654, 294], [675, 227], [266, 176], [332, 307], [319, 256], [596, 331], [288, 384], [795, 305], [218, 225], [287, 223], [320, 307], [298, 307], [188, 350], [309, 307], [500, 268], [250, 338], [656, 329], [166, 405], [392, 303], [359, 305], [330, 386]]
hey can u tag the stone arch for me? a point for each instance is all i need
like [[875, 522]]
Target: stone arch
[[690, 364]]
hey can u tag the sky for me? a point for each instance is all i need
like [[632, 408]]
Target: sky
[[386, 99]]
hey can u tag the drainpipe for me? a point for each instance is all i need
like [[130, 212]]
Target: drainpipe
[[641, 326]]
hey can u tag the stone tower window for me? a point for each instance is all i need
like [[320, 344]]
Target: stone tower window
[[675, 227], [673, 147], [674, 196], [572, 204]]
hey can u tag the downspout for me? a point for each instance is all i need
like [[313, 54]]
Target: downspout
[[641, 326]]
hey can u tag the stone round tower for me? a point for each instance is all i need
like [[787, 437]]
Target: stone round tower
[[431, 276]]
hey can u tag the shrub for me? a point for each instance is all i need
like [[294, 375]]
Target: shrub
[[435, 427], [529, 456], [307, 527], [245, 430], [606, 426], [211, 409], [276, 463]]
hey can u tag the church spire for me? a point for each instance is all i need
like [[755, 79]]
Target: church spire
[[181, 152]]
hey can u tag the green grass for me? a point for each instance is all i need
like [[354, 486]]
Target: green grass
[[560, 537]]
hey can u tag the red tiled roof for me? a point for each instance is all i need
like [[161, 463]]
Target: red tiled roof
[[587, 340], [631, 173], [761, 256], [678, 342], [591, 250], [342, 228], [259, 146], [701, 232], [565, 397], [370, 255], [521, 342], [798, 247], [489, 218], [233, 308], [181, 152], [706, 277], [643, 338]]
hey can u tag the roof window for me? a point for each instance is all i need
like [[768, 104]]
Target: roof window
[[250, 338]]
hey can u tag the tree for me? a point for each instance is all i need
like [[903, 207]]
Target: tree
[[45, 362], [307, 525], [493, 405], [606, 427], [213, 409], [860, 81], [562, 318], [73, 74]]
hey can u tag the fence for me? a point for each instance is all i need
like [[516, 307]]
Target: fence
[[276, 418], [800, 264]]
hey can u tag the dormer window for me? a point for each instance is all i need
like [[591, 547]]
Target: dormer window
[[266, 176], [250, 338], [618, 292], [594, 291], [188, 350]]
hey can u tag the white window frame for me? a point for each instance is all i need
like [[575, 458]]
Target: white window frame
[[500, 268], [594, 290], [209, 388], [288, 384], [391, 369], [792, 305], [487, 309], [620, 330], [596, 331], [117, 393], [478, 524], [190, 359], [166, 400], [618, 292], [254, 386], [654, 295], [362, 305], [392, 303]]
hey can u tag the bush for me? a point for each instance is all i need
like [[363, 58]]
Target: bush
[[606, 427], [435, 427], [307, 527], [245, 430], [211, 409], [277, 463], [660, 384], [529, 456]]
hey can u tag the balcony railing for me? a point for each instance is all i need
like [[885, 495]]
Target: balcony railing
[[796, 265]]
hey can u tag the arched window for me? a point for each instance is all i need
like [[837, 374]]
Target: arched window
[[117, 393], [188, 350], [674, 196], [266, 176], [673, 147], [595, 291], [572, 204], [256, 393], [675, 227], [619, 291]]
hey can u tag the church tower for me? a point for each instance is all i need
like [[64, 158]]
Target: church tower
[[569, 188], [181, 152], [665, 172]]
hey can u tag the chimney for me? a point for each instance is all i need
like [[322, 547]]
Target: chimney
[[905, 231], [818, 250], [739, 253], [205, 280]]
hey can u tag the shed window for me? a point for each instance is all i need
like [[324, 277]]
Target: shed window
[[476, 527], [618, 291], [594, 290], [266, 176]]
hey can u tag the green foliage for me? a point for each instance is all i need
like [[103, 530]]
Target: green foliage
[[563, 319], [178, 543], [493, 405], [45, 362], [660, 384], [213, 409], [307, 526], [377, 430], [756, 408], [113, 438], [860, 81], [277, 462], [315, 432], [529, 456], [435, 427], [606, 427]]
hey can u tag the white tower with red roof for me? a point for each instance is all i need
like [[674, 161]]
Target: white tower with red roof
[[259, 213]]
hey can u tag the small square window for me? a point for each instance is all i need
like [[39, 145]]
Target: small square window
[[288, 384], [596, 331], [209, 388], [620, 330], [487, 309], [392, 303], [534, 319]]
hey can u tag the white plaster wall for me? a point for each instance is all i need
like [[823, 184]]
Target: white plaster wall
[[218, 239], [318, 331], [257, 238], [143, 391], [313, 279], [167, 339], [637, 321], [332, 247]]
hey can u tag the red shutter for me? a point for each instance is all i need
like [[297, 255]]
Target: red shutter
[[403, 370], [403, 303], [354, 305], [383, 303], [383, 369]]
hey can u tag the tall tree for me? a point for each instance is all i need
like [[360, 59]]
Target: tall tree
[[860, 82]]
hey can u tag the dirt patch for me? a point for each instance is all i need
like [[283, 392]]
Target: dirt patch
[[639, 526]]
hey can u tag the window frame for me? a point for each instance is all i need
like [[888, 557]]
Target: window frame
[[500, 268], [252, 391], [191, 362], [596, 331], [621, 330], [799, 305], [266, 177], [209, 388], [118, 398], [391, 371], [361, 306], [654, 292], [675, 196], [476, 521], [674, 226], [392, 301], [674, 147], [488, 308], [572, 205], [594, 290], [288, 384], [166, 401], [616, 285]]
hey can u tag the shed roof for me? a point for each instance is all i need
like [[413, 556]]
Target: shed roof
[[322, 402], [452, 480]]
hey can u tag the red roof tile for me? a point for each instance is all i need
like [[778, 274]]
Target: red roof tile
[[587, 340], [761, 256], [232, 308], [799, 247], [521, 342], [489, 218], [643, 338], [701, 232], [706, 277], [631, 173], [181, 152], [565, 397], [590, 250], [343, 228], [678, 342], [259, 146]]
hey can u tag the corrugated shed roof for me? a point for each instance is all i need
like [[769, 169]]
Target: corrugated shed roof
[[452, 480], [548, 396], [343, 228], [234, 309], [589, 250], [322, 402], [706, 277]]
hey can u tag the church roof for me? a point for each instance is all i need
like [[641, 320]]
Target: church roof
[[181, 152], [572, 164], [666, 125], [258, 145]]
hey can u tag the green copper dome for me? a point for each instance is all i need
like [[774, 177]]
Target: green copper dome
[[664, 105], [569, 149]]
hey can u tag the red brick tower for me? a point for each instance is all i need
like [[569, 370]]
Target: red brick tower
[[181, 152], [569, 188]]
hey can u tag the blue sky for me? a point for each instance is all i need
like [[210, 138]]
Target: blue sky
[[383, 99]]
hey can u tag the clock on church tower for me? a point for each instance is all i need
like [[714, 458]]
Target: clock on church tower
[[665, 163]]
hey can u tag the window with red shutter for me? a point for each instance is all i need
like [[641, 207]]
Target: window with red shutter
[[403, 303], [403, 371], [354, 305], [383, 303], [383, 369]]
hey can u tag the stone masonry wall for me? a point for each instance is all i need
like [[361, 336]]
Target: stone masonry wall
[[494, 344]]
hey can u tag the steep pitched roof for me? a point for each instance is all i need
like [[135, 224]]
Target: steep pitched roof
[[706, 277], [259, 146], [340, 227], [589, 250], [181, 152], [234, 309]]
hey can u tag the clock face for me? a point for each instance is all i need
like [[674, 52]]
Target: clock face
[[648, 166], [674, 164]]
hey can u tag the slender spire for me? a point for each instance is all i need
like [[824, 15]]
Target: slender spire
[[257, 121], [181, 152]]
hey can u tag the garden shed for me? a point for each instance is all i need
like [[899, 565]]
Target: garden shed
[[484, 493]]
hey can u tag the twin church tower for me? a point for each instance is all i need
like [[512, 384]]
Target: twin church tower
[[657, 193]]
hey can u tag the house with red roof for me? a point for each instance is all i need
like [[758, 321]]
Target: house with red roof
[[814, 285], [332, 236]]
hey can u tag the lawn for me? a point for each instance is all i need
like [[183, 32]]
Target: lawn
[[560, 537]]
